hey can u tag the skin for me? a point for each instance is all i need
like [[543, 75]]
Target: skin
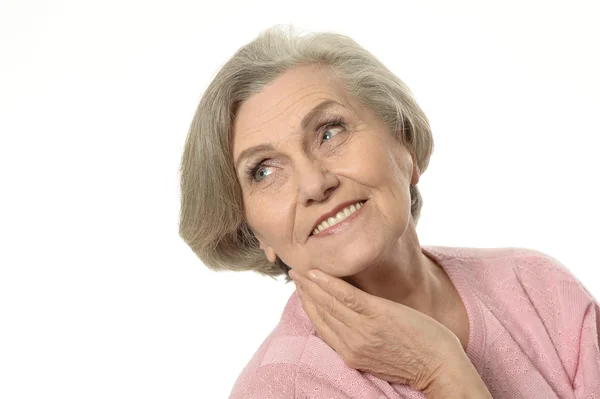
[[308, 174], [380, 302], [388, 340]]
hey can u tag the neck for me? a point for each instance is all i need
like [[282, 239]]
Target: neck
[[406, 275]]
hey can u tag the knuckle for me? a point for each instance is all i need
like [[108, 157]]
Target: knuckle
[[352, 360], [347, 297], [330, 307], [366, 331], [355, 348], [328, 286]]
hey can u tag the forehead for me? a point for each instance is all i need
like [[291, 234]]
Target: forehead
[[275, 113]]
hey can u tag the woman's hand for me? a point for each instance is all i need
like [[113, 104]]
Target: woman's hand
[[386, 339]]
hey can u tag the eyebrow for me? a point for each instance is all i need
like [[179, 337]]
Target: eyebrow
[[308, 119]]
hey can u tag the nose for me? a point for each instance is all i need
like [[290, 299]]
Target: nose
[[315, 182]]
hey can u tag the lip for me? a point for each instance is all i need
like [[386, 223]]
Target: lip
[[334, 212]]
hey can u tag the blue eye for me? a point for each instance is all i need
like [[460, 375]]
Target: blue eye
[[260, 172], [332, 124], [256, 172], [326, 132]]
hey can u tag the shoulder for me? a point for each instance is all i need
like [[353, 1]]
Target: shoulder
[[569, 314], [534, 294], [273, 381], [272, 370], [292, 367], [294, 362], [558, 296], [523, 284], [544, 278], [542, 265], [492, 268]]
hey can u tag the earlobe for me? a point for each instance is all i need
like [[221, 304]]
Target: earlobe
[[415, 175], [269, 252]]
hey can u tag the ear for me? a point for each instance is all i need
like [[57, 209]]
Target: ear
[[269, 252], [416, 173]]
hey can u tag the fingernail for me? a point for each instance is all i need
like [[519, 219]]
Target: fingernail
[[315, 275], [293, 275]]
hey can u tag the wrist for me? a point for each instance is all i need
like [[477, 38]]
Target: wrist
[[457, 379]]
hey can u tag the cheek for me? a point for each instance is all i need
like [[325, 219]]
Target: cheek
[[267, 219], [377, 166]]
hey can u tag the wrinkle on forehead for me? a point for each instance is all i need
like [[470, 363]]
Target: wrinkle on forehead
[[265, 107], [277, 110]]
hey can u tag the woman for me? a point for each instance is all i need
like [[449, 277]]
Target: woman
[[303, 159]]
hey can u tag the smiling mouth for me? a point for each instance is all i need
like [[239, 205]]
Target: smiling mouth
[[338, 218]]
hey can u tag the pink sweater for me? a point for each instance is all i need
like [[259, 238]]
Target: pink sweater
[[533, 334]]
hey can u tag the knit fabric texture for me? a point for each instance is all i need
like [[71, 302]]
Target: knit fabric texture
[[533, 333]]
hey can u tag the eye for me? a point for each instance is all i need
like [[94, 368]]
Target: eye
[[328, 133], [261, 173], [258, 172], [330, 128]]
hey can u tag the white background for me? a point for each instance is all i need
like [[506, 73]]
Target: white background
[[100, 298]]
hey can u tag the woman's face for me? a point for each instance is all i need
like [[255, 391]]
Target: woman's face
[[295, 166]]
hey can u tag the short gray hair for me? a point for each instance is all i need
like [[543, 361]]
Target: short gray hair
[[212, 221]]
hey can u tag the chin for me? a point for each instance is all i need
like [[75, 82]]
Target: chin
[[358, 253], [352, 262]]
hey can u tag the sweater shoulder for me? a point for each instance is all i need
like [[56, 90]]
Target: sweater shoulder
[[493, 267], [509, 273], [292, 366], [272, 381], [534, 294], [544, 266], [294, 362], [272, 370]]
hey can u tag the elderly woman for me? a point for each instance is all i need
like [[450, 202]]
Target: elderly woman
[[303, 160]]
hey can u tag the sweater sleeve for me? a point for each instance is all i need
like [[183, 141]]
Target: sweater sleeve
[[587, 376], [273, 381], [572, 318], [291, 381]]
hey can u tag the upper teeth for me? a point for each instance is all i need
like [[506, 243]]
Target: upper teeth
[[341, 215]]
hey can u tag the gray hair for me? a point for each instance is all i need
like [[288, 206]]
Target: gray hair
[[212, 220]]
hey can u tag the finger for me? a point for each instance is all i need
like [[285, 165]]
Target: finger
[[332, 331], [354, 298], [328, 330], [332, 315], [328, 305]]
